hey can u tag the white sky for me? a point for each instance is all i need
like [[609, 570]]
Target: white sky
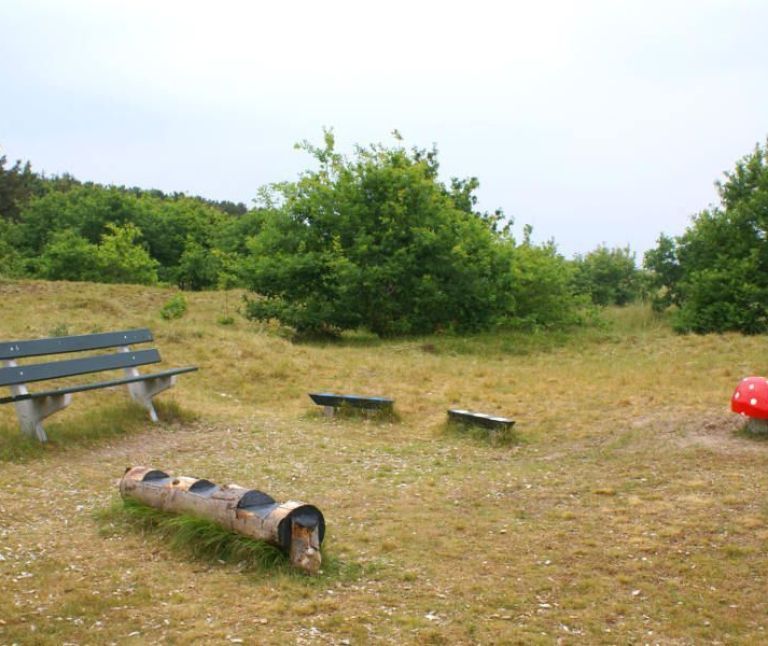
[[594, 121]]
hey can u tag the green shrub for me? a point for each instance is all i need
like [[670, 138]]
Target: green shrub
[[607, 276], [717, 271], [62, 329], [69, 256], [122, 259], [174, 308], [378, 242]]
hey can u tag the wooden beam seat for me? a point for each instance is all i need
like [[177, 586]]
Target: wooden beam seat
[[480, 419], [331, 401]]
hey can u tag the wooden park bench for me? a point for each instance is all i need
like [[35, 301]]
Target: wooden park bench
[[480, 419], [33, 407], [330, 402]]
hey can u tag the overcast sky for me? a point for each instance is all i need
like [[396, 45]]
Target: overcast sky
[[595, 122]]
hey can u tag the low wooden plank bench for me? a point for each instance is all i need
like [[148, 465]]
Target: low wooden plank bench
[[33, 407], [331, 401], [480, 419]]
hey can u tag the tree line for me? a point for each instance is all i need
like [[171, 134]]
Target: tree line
[[377, 240]]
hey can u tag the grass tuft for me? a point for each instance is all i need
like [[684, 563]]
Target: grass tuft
[[198, 537], [481, 435], [386, 415], [207, 541], [752, 432]]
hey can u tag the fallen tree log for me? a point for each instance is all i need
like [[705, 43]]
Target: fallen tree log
[[296, 528]]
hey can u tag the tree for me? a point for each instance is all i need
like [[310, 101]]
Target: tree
[[12, 263], [17, 186], [198, 267], [377, 241], [86, 209], [122, 260], [607, 276], [717, 271], [540, 285], [69, 256], [664, 273]]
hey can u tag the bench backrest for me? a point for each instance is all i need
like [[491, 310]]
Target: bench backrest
[[15, 375], [10, 350]]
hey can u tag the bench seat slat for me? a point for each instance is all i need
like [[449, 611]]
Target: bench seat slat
[[102, 384], [70, 367], [79, 343], [480, 419], [332, 399]]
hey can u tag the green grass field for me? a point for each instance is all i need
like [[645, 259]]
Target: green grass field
[[629, 508]]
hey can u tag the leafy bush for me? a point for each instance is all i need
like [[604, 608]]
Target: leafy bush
[[69, 256], [663, 273], [117, 259], [167, 226], [607, 276], [198, 267], [174, 308], [12, 263], [717, 271], [378, 242], [122, 259], [540, 287]]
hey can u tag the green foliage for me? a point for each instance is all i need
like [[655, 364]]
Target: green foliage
[[177, 228], [717, 271], [378, 242], [664, 273], [118, 259], [17, 186], [12, 263], [174, 308], [607, 276], [86, 210], [69, 256], [62, 329], [198, 267], [122, 260], [539, 286], [167, 229]]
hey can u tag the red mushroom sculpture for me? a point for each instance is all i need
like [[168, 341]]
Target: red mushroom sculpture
[[750, 399]]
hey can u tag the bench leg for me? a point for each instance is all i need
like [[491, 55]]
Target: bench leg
[[329, 411], [143, 392], [32, 412]]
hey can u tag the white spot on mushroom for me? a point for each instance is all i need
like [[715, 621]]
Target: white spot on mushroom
[[737, 395], [751, 386], [753, 402]]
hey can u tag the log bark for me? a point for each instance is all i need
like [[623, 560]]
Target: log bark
[[296, 528]]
